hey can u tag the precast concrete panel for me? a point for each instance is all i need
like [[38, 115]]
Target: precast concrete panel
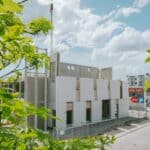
[[96, 111], [79, 113], [61, 114], [52, 96], [102, 89], [125, 91], [123, 108], [113, 106], [65, 92], [86, 89], [65, 89], [115, 89], [41, 91]]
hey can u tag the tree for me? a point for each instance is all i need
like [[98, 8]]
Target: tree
[[147, 60], [16, 45], [147, 83]]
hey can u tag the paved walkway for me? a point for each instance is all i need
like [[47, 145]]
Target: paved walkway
[[134, 139]]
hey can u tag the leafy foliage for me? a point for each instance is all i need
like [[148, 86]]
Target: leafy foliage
[[15, 40], [39, 25], [148, 58], [146, 85]]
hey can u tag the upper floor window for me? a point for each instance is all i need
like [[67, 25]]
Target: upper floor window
[[121, 90]]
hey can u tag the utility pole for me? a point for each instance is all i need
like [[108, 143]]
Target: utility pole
[[26, 85], [51, 32], [46, 71], [46, 92], [36, 95]]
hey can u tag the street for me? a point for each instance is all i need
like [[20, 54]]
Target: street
[[137, 140]]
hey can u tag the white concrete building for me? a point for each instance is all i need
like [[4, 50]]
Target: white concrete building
[[79, 96]]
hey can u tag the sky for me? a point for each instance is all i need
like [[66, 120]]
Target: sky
[[100, 33]]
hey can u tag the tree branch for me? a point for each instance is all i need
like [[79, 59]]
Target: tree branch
[[21, 2], [12, 71]]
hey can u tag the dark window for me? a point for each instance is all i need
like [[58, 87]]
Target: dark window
[[106, 109], [69, 113], [121, 90], [17, 87], [117, 111], [54, 120], [95, 89], [69, 117], [88, 111], [88, 114]]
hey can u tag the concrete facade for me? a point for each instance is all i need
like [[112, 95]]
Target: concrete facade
[[79, 85], [65, 88]]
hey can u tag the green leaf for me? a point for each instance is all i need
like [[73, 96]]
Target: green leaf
[[4, 95], [40, 25], [10, 6], [1, 2], [148, 50], [147, 60]]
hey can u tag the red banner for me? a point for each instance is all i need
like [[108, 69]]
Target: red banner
[[136, 90]]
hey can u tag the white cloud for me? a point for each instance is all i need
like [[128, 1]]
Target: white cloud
[[127, 11], [125, 52], [44, 2], [142, 3]]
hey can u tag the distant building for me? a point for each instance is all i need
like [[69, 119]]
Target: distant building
[[138, 97]]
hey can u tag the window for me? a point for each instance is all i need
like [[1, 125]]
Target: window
[[106, 109], [69, 113], [17, 87], [117, 111], [95, 90], [109, 91], [54, 120], [88, 111], [121, 90], [78, 89]]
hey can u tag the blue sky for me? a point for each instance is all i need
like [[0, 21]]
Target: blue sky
[[139, 21], [99, 33]]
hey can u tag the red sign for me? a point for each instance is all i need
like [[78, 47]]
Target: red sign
[[134, 99], [132, 90], [138, 90]]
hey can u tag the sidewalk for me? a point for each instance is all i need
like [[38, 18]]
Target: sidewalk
[[136, 127]]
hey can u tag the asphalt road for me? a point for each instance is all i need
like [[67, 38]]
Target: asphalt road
[[136, 140]]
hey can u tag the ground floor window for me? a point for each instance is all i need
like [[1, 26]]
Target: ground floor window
[[54, 120], [106, 109], [88, 111], [69, 113], [117, 111]]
